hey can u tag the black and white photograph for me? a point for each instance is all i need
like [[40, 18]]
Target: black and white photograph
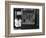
[[26, 18]]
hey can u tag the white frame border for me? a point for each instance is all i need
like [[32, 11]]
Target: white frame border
[[26, 31]]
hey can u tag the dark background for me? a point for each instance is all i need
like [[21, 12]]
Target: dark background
[[26, 26]]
